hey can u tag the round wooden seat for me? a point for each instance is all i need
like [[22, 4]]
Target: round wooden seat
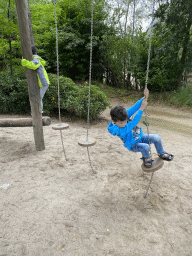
[[87, 142], [158, 165], [60, 126]]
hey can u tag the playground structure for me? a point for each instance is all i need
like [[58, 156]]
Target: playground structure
[[26, 35]]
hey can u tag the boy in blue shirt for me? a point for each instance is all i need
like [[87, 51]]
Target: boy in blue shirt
[[132, 135]]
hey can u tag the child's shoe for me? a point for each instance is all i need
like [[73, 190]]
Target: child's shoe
[[148, 163], [166, 156]]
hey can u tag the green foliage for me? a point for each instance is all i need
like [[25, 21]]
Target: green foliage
[[74, 27], [162, 71], [118, 52], [172, 49], [9, 35], [14, 92], [73, 98], [170, 52]]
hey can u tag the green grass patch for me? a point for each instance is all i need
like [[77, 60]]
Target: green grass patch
[[182, 97]]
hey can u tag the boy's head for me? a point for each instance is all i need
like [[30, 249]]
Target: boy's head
[[119, 116], [34, 50]]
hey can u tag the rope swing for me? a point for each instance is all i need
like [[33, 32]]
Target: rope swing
[[59, 126], [87, 142], [158, 162]]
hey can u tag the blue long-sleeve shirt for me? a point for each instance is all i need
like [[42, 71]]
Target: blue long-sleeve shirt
[[126, 133]]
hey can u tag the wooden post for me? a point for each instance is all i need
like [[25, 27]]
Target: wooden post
[[33, 87], [30, 24]]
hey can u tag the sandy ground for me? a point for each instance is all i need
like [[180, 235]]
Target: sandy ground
[[53, 207]]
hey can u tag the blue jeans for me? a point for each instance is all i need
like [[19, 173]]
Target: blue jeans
[[143, 145], [42, 93]]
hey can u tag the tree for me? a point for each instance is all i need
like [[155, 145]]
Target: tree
[[9, 34], [174, 31], [74, 28]]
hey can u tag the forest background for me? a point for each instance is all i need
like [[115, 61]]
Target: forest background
[[120, 51]]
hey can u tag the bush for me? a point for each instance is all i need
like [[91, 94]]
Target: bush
[[183, 96], [14, 95], [74, 98], [14, 92]]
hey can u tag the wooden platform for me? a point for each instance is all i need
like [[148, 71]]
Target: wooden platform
[[22, 122], [87, 143], [60, 126], [158, 165]]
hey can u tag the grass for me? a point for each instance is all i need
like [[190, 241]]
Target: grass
[[179, 98]]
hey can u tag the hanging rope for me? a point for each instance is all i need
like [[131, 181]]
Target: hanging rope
[[57, 54], [58, 92], [90, 68], [89, 97], [146, 82], [147, 74]]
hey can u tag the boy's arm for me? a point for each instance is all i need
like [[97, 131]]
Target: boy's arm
[[43, 62], [30, 64], [113, 129], [138, 116], [134, 108], [135, 121]]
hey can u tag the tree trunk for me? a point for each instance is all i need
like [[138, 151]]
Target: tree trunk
[[133, 19], [33, 87], [184, 53], [30, 23], [119, 20], [125, 29], [10, 45]]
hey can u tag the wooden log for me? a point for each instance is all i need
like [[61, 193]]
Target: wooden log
[[22, 122]]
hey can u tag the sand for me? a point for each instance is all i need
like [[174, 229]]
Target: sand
[[52, 207]]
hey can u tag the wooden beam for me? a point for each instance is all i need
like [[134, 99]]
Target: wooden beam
[[33, 87], [22, 122]]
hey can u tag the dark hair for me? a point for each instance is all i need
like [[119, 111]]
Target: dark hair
[[34, 50], [118, 113]]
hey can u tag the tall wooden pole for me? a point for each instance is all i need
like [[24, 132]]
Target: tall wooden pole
[[33, 87], [30, 24]]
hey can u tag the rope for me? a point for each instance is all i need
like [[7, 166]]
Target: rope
[[147, 74], [145, 196], [94, 172], [90, 68], [146, 82], [58, 92], [89, 97], [57, 53]]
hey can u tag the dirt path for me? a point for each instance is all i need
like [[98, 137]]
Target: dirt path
[[50, 207]]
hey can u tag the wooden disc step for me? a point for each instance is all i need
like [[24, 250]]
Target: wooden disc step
[[158, 165], [60, 126], [87, 142]]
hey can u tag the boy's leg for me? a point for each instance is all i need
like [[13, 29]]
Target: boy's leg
[[42, 93], [144, 148], [154, 139]]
